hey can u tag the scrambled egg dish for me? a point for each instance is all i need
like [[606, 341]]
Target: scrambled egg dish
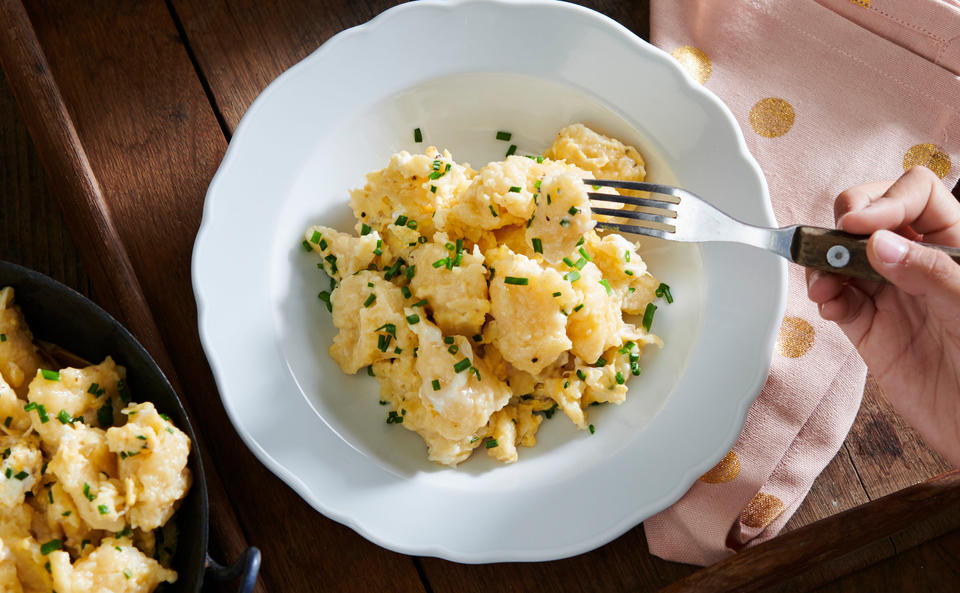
[[88, 478], [483, 300]]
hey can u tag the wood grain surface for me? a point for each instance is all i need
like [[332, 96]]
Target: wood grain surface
[[154, 90]]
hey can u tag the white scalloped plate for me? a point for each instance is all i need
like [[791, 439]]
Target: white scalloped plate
[[460, 70]]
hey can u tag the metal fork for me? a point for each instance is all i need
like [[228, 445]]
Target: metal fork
[[691, 219]]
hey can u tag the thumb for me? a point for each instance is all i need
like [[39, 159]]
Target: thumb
[[914, 268]]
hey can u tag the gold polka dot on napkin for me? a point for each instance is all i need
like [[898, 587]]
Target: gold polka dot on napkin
[[771, 117], [725, 471], [795, 337], [930, 156], [762, 509], [694, 61]]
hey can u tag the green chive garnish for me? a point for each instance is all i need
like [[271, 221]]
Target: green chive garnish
[[626, 256], [478, 338], [417, 135], [453, 349], [556, 294], [370, 300], [504, 135], [537, 245], [606, 285], [316, 237], [581, 375], [105, 414], [436, 385], [600, 362], [648, 316], [103, 509], [664, 291], [620, 379], [413, 319], [448, 340], [592, 429], [405, 290], [572, 276], [3, 337], [433, 189], [564, 222], [50, 546], [411, 272], [578, 307], [512, 149], [515, 189], [516, 281], [585, 255], [7, 421], [462, 365], [568, 261], [50, 375], [490, 444], [371, 373], [441, 262], [86, 492], [573, 211], [364, 229], [580, 263], [325, 297], [492, 211], [64, 417], [419, 303], [306, 246], [401, 220], [21, 475]]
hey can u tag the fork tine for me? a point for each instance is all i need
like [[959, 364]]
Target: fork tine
[[656, 188], [634, 215], [636, 230], [647, 202]]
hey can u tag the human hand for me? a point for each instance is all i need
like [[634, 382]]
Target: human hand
[[908, 331]]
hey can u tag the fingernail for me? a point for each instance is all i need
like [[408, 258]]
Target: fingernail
[[891, 248], [840, 222], [812, 279]]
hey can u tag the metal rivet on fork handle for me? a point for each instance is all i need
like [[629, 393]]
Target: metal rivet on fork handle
[[838, 256]]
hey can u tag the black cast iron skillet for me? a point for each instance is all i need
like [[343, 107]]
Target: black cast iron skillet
[[57, 314]]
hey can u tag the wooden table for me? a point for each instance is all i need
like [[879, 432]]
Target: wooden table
[[154, 90]]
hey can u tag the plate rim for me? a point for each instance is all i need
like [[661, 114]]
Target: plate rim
[[204, 231]]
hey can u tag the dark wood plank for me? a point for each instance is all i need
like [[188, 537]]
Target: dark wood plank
[[793, 553], [153, 143], [32, 231]]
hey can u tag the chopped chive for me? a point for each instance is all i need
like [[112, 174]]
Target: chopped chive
[[371, 373], [66, 513], [3, 337], [332, 259], [448, 340], [103, 509], [537, 245], [492, 211], [449, 246], [383, 342], [549, 413], [364, 229], [8, 473], [475, 372], [453, 349], [86, 492], [664, 291], [504, 135], [433, 189], [648, 316], [635, 367], [306, 247], [537, 183], [606, 285], [417, 135], [564, 222], [405, 291], [631, 290], [549, 200], [436, 385], [401, 220], [436, 164], [447, 168], [411, 272], [626, 256], [21, 475], [413, 319], [556, 294], [516, 281], [539, 159], [600, 362], [462, 365], [316, 237], [592, 429], [573, 211], [490, 444], [325, 297], [585, 255], [31, 406], [323, 244], [572, 276], [628, 272], [105, 414], [474, 439], [370, 300], [619, 378], [419, 303], [532, 216], [512, 149], [441, 262], [95, 390], [515, 189], [627, 347], [7, 421], [398, 350], [64, 417], [378, 250], [127, 574], [581, 375], [478, 338], [50, 546], [568, 261], [50, 375], [421, 239], [580, 263], [389, 328]]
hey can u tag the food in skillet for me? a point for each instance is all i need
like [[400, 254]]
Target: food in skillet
[[483, 301], [88, 477]]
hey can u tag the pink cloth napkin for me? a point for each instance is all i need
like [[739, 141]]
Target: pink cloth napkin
[[829, 94]]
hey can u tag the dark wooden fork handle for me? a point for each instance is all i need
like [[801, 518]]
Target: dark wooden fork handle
[[841, 253]]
